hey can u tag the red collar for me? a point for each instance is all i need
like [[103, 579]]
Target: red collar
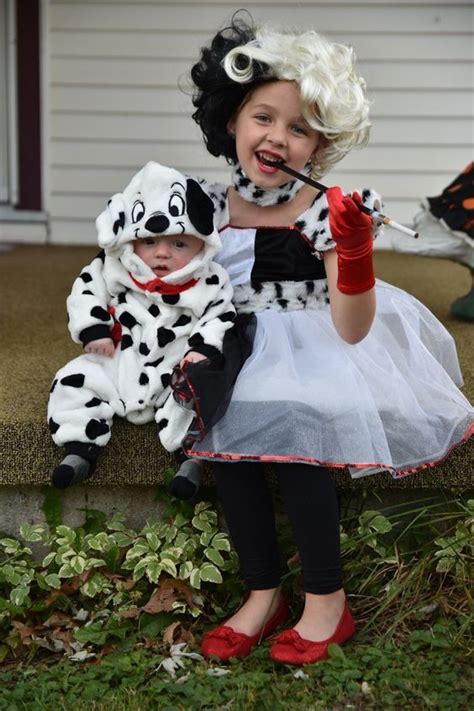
[[157, 285]]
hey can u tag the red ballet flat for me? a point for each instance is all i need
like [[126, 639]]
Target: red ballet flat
[[223, 642], [290, 648]]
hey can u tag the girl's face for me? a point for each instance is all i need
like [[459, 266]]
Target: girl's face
[[270, 124]]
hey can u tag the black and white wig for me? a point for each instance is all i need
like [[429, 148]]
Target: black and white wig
[[241, 58]]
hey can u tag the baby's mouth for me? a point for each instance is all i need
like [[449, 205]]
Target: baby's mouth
[[161, 270]]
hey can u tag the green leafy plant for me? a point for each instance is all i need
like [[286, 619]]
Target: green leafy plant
[[112, 575]]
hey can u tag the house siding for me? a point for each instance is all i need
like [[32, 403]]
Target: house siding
[[114, 99]]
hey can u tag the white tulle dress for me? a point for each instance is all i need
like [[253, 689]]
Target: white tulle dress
[[389, 403]]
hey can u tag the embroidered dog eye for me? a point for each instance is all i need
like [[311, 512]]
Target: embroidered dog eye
[[138, 210], [176, 205]]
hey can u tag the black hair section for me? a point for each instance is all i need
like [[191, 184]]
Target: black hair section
[[217, 97]]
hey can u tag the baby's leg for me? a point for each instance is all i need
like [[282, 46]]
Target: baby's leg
[[186, 482], [82, 403]]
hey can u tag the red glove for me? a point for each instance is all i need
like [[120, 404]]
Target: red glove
[[351, 230]]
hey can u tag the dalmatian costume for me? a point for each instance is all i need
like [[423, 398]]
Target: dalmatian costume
[[389, 403], [154, 322]]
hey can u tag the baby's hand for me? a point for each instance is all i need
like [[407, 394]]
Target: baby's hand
[[191, 357], [102, 346]]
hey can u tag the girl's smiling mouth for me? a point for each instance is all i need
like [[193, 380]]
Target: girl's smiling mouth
[[268, 162]]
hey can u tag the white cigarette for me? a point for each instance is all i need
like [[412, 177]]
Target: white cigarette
[[394, 225]]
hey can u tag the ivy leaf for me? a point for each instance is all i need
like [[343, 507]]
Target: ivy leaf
[[78, 563], [11, 575], [122, 539], [180, 520], [66, 571], [195, 578], [138, 550], [48, 559], [185, 569], [202, 524], [221, 542], [381, 524], [169, 567], [100, 542], [65, 535], [32, 533], [53, 580], [205, 538], [153, 571], [153, 541], [201, 506], [210, 574], [95, 562], [11, 545], [117, 523], [19, 595], [214, 556]]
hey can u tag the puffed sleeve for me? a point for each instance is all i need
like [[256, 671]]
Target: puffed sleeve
[[314, 222]]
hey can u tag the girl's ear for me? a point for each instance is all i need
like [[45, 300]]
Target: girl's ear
[[231, 127]]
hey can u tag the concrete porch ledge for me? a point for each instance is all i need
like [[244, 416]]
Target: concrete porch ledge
[[35, 281]]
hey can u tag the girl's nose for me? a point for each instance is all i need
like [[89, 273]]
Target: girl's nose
[[277, 135]]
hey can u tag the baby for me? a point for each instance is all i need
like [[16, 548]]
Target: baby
[[150, 307]]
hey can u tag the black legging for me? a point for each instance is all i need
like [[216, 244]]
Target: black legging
[[310, 500]]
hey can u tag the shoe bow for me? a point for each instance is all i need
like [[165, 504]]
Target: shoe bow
[[292, 638]]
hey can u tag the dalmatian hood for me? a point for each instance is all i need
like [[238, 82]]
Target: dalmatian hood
[[158, 200]]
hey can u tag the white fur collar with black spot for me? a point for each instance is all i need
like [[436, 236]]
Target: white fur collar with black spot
[[262, 196]]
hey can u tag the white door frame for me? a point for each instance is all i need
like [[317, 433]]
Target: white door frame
[[8, 105]]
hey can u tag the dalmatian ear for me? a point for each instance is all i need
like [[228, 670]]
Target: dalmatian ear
[[200, 208], [111, 221]]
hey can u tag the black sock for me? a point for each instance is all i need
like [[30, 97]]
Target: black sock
[[78, 464], [187, 480]]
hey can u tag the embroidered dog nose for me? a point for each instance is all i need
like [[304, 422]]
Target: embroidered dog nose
[[157, 224]]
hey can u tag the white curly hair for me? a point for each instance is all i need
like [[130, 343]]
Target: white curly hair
[[333, 97]]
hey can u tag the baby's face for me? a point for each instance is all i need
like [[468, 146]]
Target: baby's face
[[167, 253]]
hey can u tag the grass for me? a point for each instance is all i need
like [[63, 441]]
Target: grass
[[407, 573], [364, 675]]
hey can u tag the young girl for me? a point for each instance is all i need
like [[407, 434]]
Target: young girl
[[333, 380]]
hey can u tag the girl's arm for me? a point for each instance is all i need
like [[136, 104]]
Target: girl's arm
[[352, 314]]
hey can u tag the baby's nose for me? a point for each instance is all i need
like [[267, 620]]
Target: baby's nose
[[157, 224]]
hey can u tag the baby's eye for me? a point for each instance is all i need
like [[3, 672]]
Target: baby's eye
[[179, 244], [148, 240]]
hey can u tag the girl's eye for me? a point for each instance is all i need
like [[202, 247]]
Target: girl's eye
[[138, 210], [176, 205], [300, 130], [262, 117]]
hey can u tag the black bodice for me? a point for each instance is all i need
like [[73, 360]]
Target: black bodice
[[284, 254]]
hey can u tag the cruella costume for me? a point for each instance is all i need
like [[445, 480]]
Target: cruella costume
[[389, 403]]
